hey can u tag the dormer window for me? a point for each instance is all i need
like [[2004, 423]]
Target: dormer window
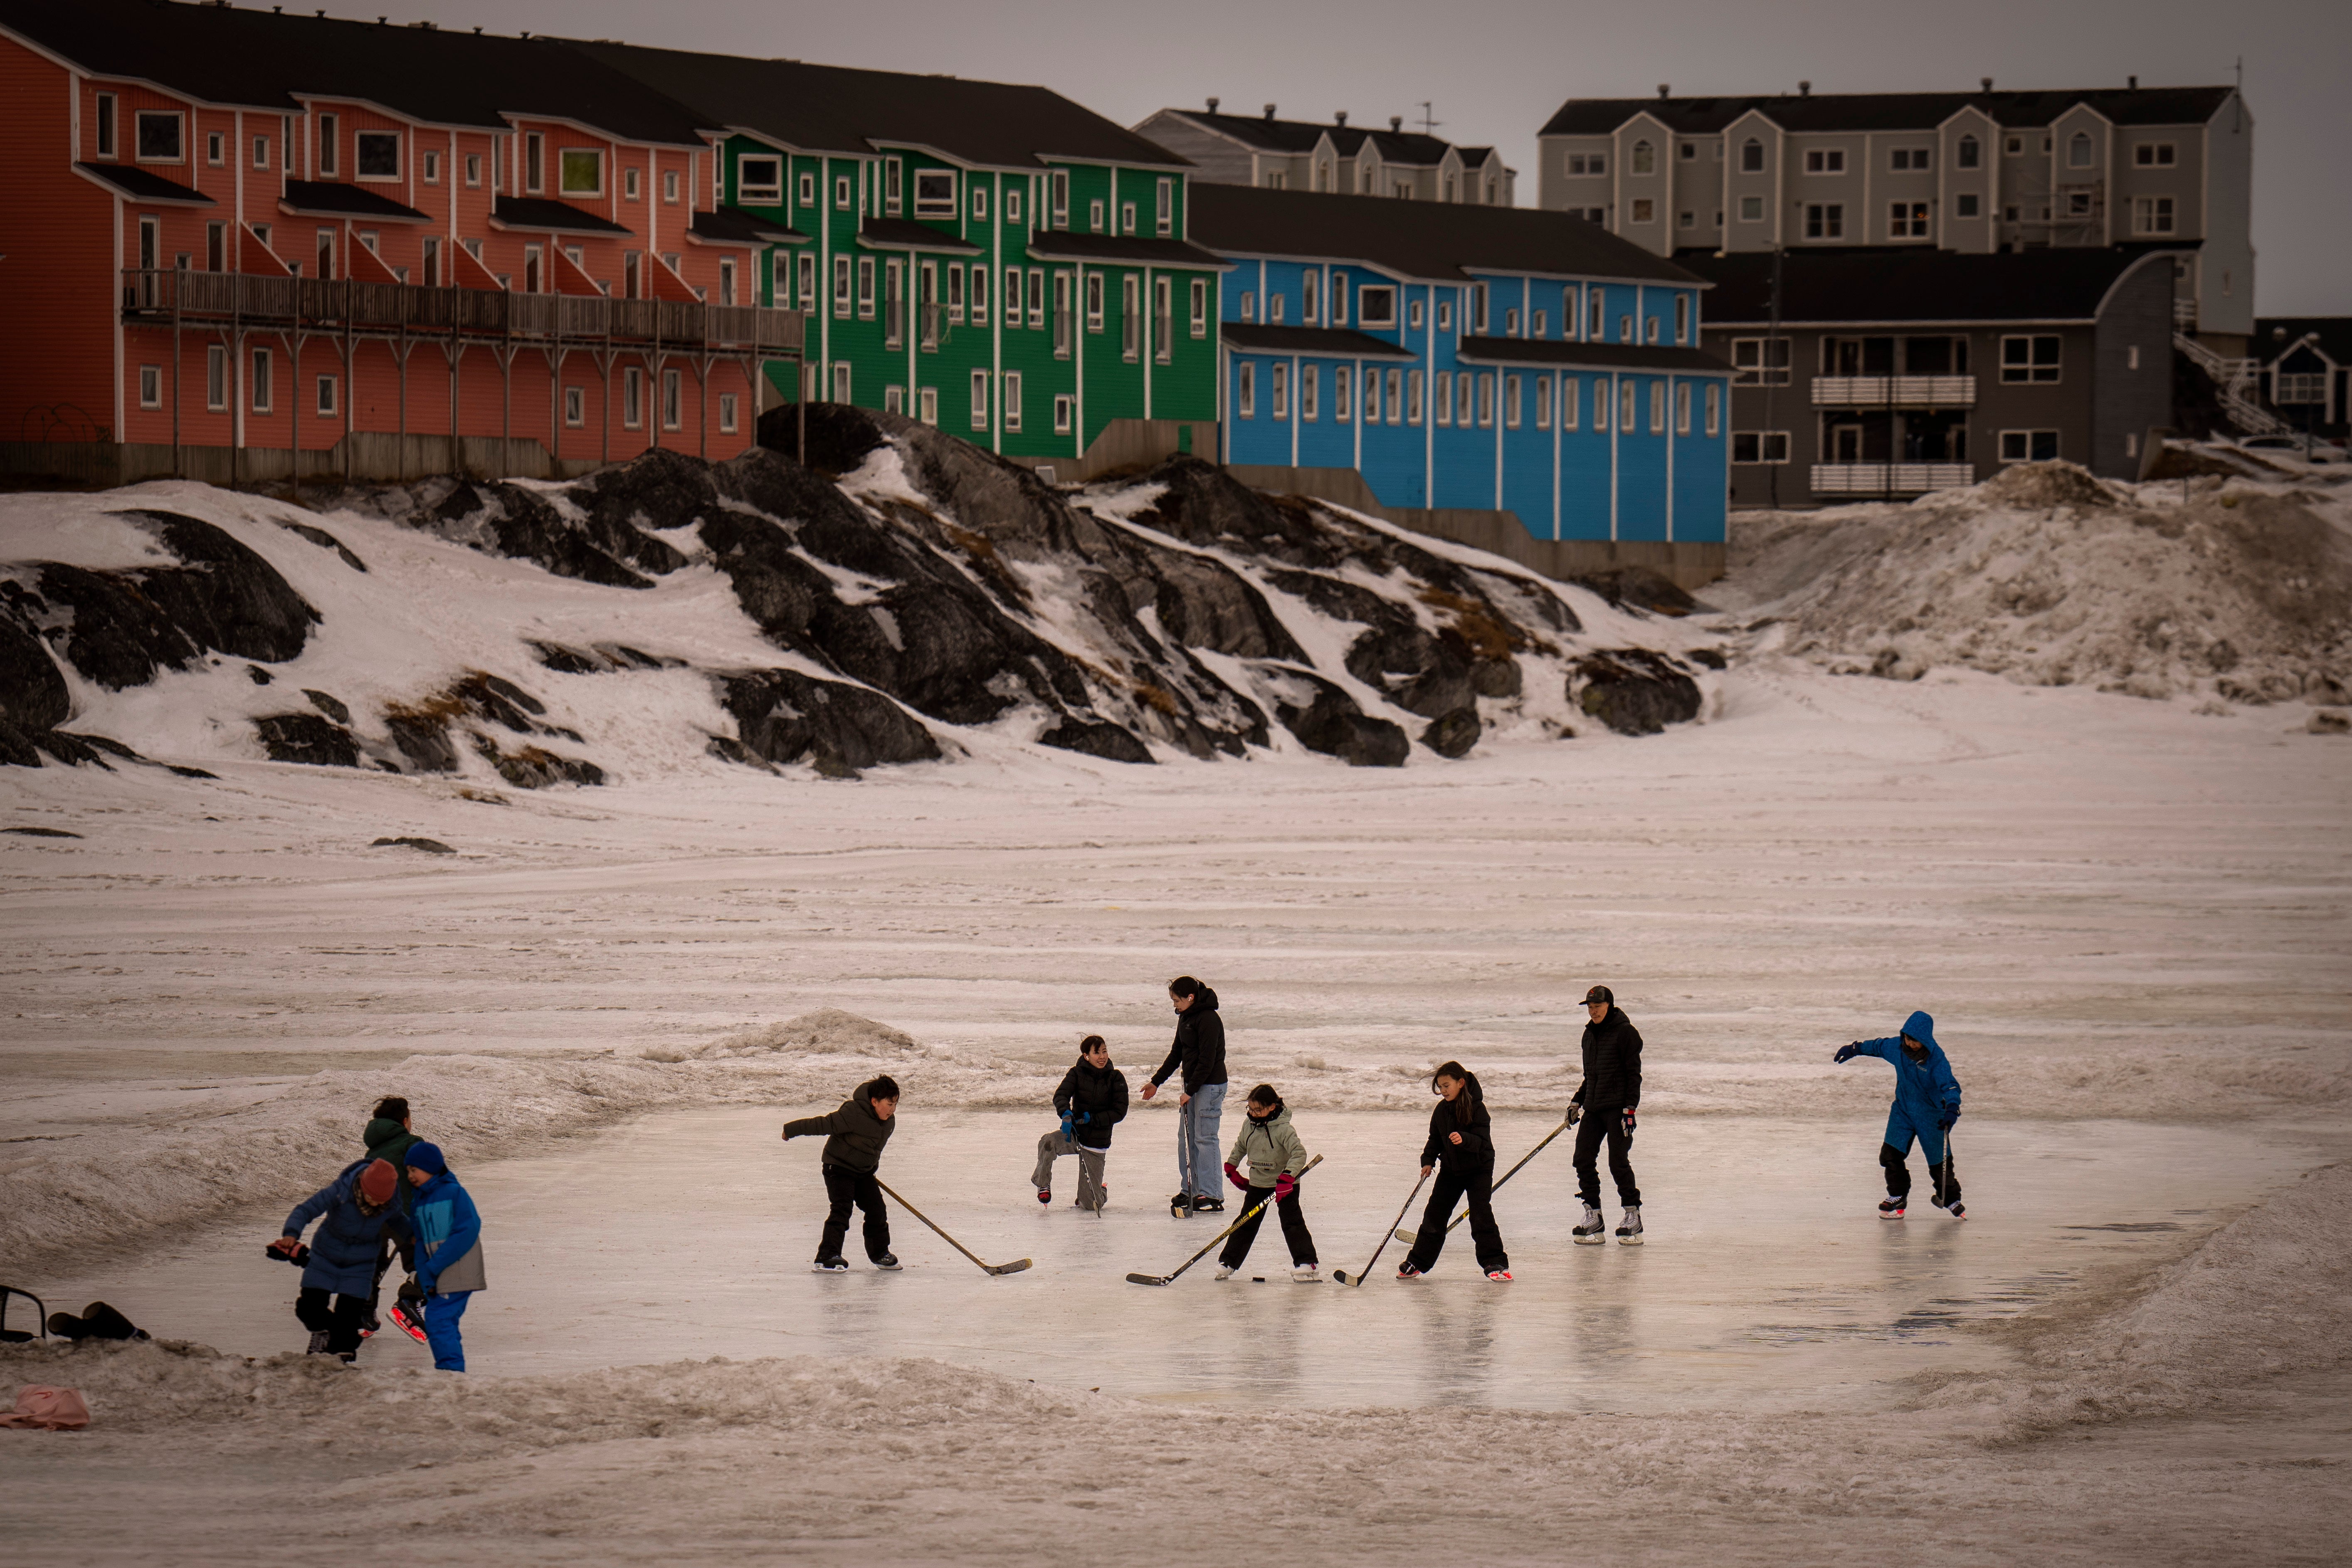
[[378, 154], [581, 171], [1967, 154], [1376, 306], [759, 179], [1751, 156], [1645, 158], [159, 137], [935, 193], [2078, 151]]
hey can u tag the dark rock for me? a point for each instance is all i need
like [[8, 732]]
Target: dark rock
[[536, 768], [1710, 656], [1634, 691], [1108, 741], [524, 525], [223, 596], [623, 655], [41, 832], [324, 541], [1496, 677], [258, 675], [840, 436], [1454, 734], [111, 631], [332, 707], [1639, 588], [422, 737], [307, 738], [727, 748], [1332, 724], [23, 749], [1203, 603], [430, 846], [186, 772], [33, 694], [662, 490], [785, 716], [566, 660]]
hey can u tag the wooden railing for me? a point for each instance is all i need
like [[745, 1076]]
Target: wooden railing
[[1898, 391]]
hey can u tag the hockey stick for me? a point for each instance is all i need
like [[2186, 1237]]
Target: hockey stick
[[1408, 1237], [1255, 1209], [951, 1241], [1341, 1274]]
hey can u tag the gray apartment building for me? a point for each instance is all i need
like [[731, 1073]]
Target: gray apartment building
[[1973, 173], [1278, 154]]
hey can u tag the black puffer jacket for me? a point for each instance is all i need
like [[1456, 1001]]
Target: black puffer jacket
[[1200, 1047], [1477, 1145], [1099, 1094], [1612, 1065], [855, 1135]]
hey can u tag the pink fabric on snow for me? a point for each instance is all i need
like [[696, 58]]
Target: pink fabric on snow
[[52, 1409]]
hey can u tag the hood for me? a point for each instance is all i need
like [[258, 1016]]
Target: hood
[[1281, 1115], [434, 1187], [1470, 1086], [381, 1131], [1204, 1001], [1922, 1028]]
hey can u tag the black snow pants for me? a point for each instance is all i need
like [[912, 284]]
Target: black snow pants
[[1294, 1229], [845, 1188], [1943, 1180], [1477, 1184], [1605, 1121], [341, 1323]]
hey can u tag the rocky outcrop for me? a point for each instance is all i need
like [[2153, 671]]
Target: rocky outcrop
[[1634, 691], [308, 738], [783, 716]]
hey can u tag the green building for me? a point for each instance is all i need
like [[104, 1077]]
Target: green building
[[991, 259]]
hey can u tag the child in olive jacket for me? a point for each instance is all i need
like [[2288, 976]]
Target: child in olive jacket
[[855, 1136], [1277, 1160]]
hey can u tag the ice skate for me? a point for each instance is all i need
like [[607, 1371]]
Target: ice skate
[[1208, 1203], [1224, 1270], [1629, 1227], [1499, 1275], [1593, 1232], [888, 1263], [1306, 1274], [1044, 1195], [1407, 1271], [318, 1343], [1956, 1209], [835, 1265], [408, 1321], [1891, 1209]]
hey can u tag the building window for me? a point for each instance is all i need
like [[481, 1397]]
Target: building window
[[1065, 412], [1310, 296], [1912, 159], [807, 189], [979, 295], [1442, 403], [1751, 156], [1279, 391], [1413, 313], [1542, 325], [1375, 306], [2152, 215], [2153, 156], [377, 154], [893, 196], [1465, 393], [1164, 208], [1486, 398], [216, 247], [1343, 387], [1644, 210], [1596, 309], [894, 292], [1412, 390], [261, 152], [1200, 307], [1339, 298], [150, 386], [1908, 220], [841, 286], [1649, 329], [804, 286], [1645, 158], [980, 400], [1968, 153], [1571, 394], [1682, 318], [326, 401], [2293, 386], [841, 386], [215, 377], [1601, 405], [2014, 146], [1588, 163], [1686, 220], [894, 400], [534, 163], [106, 125], [1245, 391], [1062, 315], [1624, 329], [1657, 408], [1543, 402], [1690, 151], [1825, 160], [1012, 400], [2030, 358], [841, 196], [1395, 380], [935, 193], [673, 396], [1759, 446], [1512, 386], [1311, 389], [430, 261], [583, 171], [2131, 357], [1715, 408], [1966, 205], [727, 412], [757, 179], [1095, 216], [1275, 303], [575, 406], [473, 169], [727, 281], [1511, 322], [2029, 445], [159, 137], [1682, 408], [1627, 406], [866, 287], [2078, 151], [1094, 302], [216, 149], [633, 397], [1824, 220]]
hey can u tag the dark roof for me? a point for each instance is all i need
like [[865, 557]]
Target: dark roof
[[1409, 148], [1324, 343], [1588, 356], [329, 199], [140, 185], [905, 233], [551, 216], [733, 225], [1900, 284], [1298, 136], [1063, 245], [262, 59], [833, 108], [1889, 111], [1428, 241], [2335, 336]]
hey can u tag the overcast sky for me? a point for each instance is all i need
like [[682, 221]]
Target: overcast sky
[[1495, 69]]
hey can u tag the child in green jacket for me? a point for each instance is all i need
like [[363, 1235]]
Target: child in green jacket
[[1277, 1160]]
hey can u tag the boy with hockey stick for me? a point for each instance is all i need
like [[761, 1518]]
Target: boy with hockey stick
[[1607, 1099], [449, 1256], [1091, 1099], [1461, 1142], [1927, 1103], [855, 1136], [1200, 1050], [1277, 1160], [353, 1211]]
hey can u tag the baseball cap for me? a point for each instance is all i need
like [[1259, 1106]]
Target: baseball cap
[[1599, 993]]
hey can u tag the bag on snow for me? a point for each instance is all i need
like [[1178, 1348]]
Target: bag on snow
[[50, 1409]]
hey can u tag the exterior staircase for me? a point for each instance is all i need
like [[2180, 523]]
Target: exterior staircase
[[2233, 384]]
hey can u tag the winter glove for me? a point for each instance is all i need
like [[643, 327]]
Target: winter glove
[[1283, 1186], [1951, 1114], [1628, 1123], [1575, 1113], [1084, 1116], [1066, 1128], [1236, 1177], [289, 1249], [411, 1295], [1847, 1053]]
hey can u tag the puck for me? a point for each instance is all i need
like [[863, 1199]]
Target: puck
[[1257, 1279]]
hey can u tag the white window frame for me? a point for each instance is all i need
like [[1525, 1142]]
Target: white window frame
[[217, 377], [473, 171], [673, 399], [2023, 441], [361, 138], [727, 412], [216, 149], [150, 386], [1682, 318], [1310, 393], [2154, 216], [1164, 208], [926, 405], [2030, 369], [1513, 389], [575, 407], [841, 198], [1766, 443], [1278, 388], [934, 205], [1245, 390], [747, 189], [1543, 402], [1065, 412], [1387, 319], [328, 400], [1715, 408], [1825, 221], [1600, 403], [1343, 389], [1441, 402], [980, 400], [564, 185], [1657, 406], [1127, 218], [1095, 216], [1013, 206], [2155, 155], [139, 120], [1682, 408], [107, 139], [1629, 408], [1486, 394], [1008, 400], [1824, 159], [261, 152], [1413, 399], [632, 398], [1571, 394]]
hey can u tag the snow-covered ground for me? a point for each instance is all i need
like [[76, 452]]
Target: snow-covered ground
[[2128, 916]]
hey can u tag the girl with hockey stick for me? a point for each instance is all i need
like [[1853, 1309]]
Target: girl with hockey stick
[[1277, 1160], [1462, 1143], [1927, 1103]]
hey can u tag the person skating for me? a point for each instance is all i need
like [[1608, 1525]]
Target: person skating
[[353, 1211], [1461, 1148], [449, 1267], [1091, 1100], [388, 1137], [1607, 1099], [1277, 1160], [1927, 1103], [855, 1135], [1200, 1050]]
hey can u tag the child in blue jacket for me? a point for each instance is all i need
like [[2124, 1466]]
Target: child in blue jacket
[[1927, 1103], [448, 1253]]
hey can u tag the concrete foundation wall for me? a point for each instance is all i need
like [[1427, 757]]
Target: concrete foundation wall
[[1136, 444], [373, 455]]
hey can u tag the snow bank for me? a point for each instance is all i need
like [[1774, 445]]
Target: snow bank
[[2052, 577]]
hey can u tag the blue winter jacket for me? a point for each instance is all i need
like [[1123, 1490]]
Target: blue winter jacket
[[1924, 1091], [344, 1252], [447, 1228]]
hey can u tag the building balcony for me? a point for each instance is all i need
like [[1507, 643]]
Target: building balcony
[[161, 297], [1890, 478], [1894, 392]]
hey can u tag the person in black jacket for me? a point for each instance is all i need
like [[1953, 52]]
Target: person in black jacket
[[1200, 1050], [855, 1135], [1608, 1097], [1462, 1146], [1091, 1100]]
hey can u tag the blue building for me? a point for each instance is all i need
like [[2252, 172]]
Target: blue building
[[1471, 360]]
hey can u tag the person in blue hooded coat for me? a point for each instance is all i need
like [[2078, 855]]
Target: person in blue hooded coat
[[1927, 1103], [355, 1212], [448, 1253]]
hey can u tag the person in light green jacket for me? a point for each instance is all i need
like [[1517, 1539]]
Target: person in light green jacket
[[1277, 1158]]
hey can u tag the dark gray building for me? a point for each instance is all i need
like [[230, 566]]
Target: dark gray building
[[2304, 363], [1896, 371], [1338, 158]]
